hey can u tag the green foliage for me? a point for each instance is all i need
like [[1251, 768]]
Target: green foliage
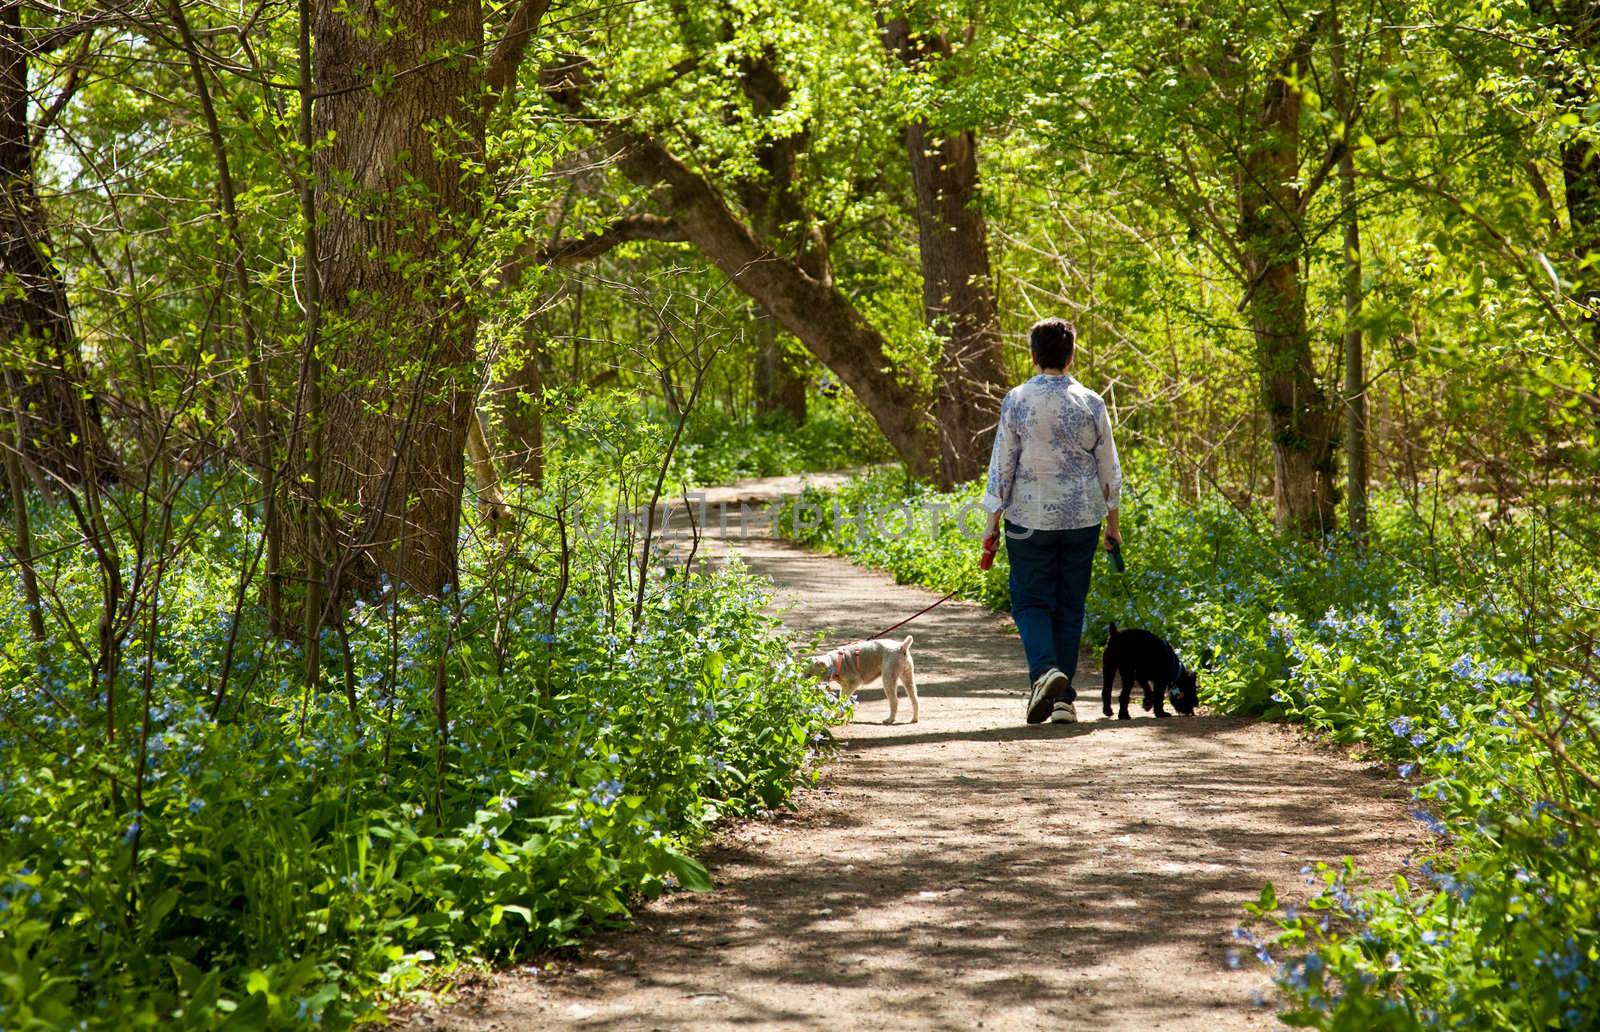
[[1410, 650], [298, 862], [717, 449], [328, 852], [919, 535]]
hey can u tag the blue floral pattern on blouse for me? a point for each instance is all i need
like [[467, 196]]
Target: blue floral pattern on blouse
[[1054, 459]]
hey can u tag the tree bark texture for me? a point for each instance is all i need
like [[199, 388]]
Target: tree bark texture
[[958, 299], [1303, 424], [59, 424], [399, 87]]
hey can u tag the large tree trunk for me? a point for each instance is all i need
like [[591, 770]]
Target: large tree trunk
[[814, 310], [394, 206], [59, 426], [1301, 420], [957, 286]]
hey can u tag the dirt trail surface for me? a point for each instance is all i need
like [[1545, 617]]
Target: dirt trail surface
[[968, 870]]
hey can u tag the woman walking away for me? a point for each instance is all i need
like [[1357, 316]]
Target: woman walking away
[[1053, 476]]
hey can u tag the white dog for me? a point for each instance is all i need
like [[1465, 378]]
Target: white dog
[[864, 662]]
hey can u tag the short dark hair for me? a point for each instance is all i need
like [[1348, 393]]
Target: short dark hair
[[1051, 341]]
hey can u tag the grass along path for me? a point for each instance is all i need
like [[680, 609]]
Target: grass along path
[[969, 870]]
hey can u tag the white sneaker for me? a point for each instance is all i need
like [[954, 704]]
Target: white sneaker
[[1046, 690], [1064, 713]]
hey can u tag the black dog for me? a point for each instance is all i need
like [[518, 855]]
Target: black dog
[[1143, 657]]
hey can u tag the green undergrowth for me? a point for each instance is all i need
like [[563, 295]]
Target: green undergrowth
[[717, 448], [295, 862], [1460, 663]]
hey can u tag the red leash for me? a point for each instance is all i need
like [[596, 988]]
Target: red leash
[[910, 618], [990, 546]]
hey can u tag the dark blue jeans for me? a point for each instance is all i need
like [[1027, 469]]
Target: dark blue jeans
[[1050, 572]]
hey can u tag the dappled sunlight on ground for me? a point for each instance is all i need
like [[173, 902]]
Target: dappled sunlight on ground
[[969, 868]]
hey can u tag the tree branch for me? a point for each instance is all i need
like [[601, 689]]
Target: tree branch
[[572, 250], [821, 316], [501, 72]]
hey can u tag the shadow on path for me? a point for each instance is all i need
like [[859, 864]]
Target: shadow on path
[[969, 868]]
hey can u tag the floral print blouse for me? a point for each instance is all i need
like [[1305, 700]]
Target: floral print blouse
[[1053, 457]]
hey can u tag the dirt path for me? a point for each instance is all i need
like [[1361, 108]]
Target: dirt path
[[971, 871]]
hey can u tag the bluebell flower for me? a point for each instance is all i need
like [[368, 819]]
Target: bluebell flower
[[1432, 823]]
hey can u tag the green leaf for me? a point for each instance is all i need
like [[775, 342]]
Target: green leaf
[[691, 874]]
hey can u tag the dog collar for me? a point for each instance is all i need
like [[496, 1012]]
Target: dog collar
[[836, 661]]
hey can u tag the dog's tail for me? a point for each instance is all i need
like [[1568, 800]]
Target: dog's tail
[[905, 646]]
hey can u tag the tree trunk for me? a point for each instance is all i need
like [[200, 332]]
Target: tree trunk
[[394, 206], [1301, 420], [777, 215], [957, 286], [492, 508], [522, 417], [780, 386], [1355, 372], [59, 423]]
